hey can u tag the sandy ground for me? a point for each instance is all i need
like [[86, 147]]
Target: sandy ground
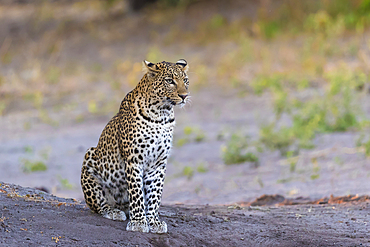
[[34, 218]]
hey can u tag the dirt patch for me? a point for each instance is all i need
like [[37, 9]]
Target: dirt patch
[[33, 218], [267, 200]]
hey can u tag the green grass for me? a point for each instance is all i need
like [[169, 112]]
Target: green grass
[[191, 134], [236, 151], [201, 168], [281, 139], [367, 148], [188, 172], [33, 166], [364, 142], [28, 149], [181, 142], [284, 180], [315, 176], [331, 18], [64, 182], [334, 108]]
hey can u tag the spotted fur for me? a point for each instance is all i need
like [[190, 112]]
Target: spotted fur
[[125, 172]]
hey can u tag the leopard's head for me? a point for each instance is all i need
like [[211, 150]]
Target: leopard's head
[[168, 81]]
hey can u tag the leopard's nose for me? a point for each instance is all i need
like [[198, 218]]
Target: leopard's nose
[[183, 96]]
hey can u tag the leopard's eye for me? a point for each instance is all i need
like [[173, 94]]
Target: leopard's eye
[[186, 80], [169, 81]]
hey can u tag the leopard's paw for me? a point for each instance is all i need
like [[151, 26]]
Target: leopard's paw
[[137, 226], [115, 214], [158, 227]]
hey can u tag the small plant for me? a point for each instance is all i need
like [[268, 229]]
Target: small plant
[[292, 160], [367, 148], [236, 151], [201, 168], [277, 140], [65, 183], [181, 142], [188, 130], [315, 176], [284, 180], [191, 134], [188, 172], [33, 166], [92, 107], [360, 142], [292, 166], [200, 137], [28, 149]]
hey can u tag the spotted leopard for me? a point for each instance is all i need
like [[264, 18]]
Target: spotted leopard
[[125, 172]]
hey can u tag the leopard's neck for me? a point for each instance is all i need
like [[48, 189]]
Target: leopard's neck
[[153, 109]]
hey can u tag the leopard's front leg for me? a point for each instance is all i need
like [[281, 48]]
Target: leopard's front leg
[[153, 187], [138, 220]]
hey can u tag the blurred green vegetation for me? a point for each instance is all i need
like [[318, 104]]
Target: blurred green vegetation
[[308, 107], [188, 172], [237, 151], [65, 184], [31, 163], [33, 166], [330, 18], [333, 108], [191, 134], [365, 143]]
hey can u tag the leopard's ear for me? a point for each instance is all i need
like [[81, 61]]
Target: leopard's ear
[[150, 68], [183, 64]]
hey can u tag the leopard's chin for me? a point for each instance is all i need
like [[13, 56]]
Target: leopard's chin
[[181, 104]]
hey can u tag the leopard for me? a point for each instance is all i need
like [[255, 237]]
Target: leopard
[[123, 176]]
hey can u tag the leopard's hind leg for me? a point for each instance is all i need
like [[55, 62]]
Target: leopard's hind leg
[[94, 193]]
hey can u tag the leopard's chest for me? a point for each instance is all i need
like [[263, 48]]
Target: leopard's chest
[[156, 144]]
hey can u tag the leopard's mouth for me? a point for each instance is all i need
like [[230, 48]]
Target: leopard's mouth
[[180, 102]]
